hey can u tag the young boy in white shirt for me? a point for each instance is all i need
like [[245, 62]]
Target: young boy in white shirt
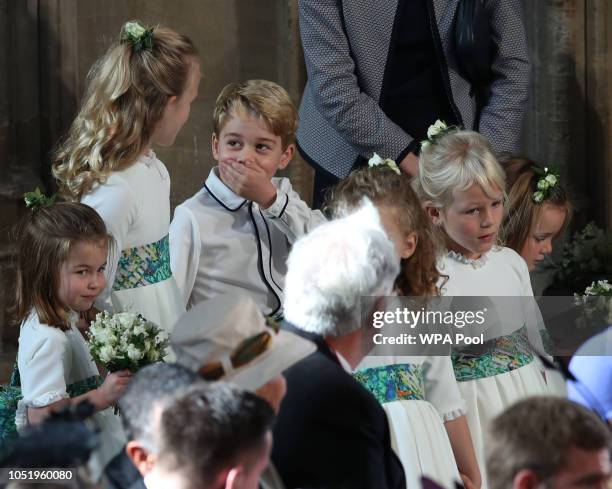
[[235, 234]]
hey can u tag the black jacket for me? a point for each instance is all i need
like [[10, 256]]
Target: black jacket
[[120, 473], [330, 431]]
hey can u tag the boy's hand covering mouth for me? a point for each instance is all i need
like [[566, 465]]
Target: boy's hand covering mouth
[[248, 180]]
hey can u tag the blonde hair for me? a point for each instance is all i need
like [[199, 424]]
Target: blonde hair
[[418, 274], [455, 162], [127, 93], [263, 99], [523, 213], [44, 240]]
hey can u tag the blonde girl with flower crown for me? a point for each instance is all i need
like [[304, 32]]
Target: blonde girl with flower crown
[[61, 257], [138, 96], [462, 188], [419, 394]]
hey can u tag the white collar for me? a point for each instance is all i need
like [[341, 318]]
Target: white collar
[[224, 195], [474, 262]]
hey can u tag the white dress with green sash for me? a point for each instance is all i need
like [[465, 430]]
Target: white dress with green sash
[[505, 369], [135, 205], [419, 394], [55, 365]]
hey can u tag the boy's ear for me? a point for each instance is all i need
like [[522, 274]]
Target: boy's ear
[[409, 245], [286, 156], [140, 457], [234, 478], [215, 146]]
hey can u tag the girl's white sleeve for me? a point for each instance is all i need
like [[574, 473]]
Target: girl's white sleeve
[[185, 246], [441, 388], [43, 362], [118, 208], [290, 214]]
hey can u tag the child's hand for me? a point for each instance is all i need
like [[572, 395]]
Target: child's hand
[[113, 387], [249, 181]]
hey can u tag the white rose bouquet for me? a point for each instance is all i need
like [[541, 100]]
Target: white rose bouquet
[[597, 300], [125, 341]]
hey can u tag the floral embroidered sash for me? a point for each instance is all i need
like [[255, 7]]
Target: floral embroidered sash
[[393, 382], [143, 265], [498, 356]]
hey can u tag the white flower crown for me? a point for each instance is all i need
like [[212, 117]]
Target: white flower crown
[[376, 160], [548, 180]]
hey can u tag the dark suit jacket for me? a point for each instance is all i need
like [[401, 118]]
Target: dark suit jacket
[[346, 44], [330, 431], [120, 473]]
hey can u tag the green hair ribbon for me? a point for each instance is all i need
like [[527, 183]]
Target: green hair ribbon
[[36, 199]]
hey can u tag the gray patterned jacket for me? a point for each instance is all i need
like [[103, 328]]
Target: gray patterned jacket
[[346, 43]]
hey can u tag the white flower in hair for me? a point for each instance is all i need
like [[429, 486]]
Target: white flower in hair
[[376, 160], [551, 179], [546, 181], [436, 128]]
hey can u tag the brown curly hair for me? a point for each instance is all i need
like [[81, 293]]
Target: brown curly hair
[[419, 275]]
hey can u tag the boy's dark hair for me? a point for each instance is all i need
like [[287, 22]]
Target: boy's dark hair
[[210, 428], [150, 389], [537, 434]]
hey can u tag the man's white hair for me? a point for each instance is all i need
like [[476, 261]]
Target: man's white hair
[[336, 272]]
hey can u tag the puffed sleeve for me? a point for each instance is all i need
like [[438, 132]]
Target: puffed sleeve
[[441, 388], [118, 207], [290, 214], [185, 247], [44, 359]]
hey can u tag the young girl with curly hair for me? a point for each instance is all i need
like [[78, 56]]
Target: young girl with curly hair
[[138, 96], [419, 393]]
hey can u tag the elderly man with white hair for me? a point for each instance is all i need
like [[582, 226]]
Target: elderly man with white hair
[[330, 431]]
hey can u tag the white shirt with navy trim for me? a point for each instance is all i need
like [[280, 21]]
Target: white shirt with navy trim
[[221, 243]]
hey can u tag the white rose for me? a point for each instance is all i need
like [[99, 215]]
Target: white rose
[[140, 329], [107, 354], [543, 184], [134, 29], [551, 179], [393, 165], [134, 353], [375, 160], [436, 129], [538, 197], [126, 319]]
